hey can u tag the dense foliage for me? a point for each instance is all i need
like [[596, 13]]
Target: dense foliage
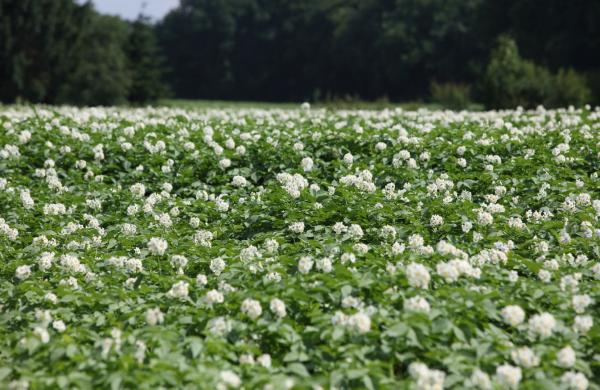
[[300, 248], [366, 49], [512, 81], [58, 51]]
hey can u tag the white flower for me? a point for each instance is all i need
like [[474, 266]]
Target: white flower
[[360, 322], [203, 238], [214, 296], [583, 324], [157, 246], [513, 315], [297, 227], [388, 232], [42, 333], [128, 229], [436, 220], [247, 359], [544, 275], [222, 205], [596, 269], [264, 360], [219, 326], [271, 245], [481, 380], [360, 248], [54, 209], [133, 209], [179, 261], [513, 276], [425, 377], [484, 218], [305, 264], [448, 271], [348, 258], [239, 181], [417, 275], [59, 326], [324, 264], [574, 380], [398, 248], [339, 319], [508, 375], [307, 164], [23, 272], [217, 265], [415, 241], [179, 290], [542, 324], [417, 304], [154, 316], [201, 280], [224, 163], [581, 302], [51, 297], [566, 357], [355, 232], [43, 316], [230, 378], [251, 308], [525, 357], [277, 306], [138, 190], [250, 253], [348, 158], [26, 199], [466, 226]]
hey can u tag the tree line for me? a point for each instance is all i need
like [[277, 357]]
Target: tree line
[[499, 52], [62, 52]]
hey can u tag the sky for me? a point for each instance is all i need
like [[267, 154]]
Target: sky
[[130, 9]]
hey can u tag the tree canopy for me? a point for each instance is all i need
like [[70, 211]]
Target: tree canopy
[[59, 51]]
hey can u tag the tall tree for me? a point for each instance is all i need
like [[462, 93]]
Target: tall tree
[[101, 75], [145, 63], [38, 39]]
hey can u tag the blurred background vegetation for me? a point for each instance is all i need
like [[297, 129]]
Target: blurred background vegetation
[[499, 53]]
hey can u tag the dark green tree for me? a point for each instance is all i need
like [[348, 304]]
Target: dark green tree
[[101, 75], [38, 40], [145, 63]]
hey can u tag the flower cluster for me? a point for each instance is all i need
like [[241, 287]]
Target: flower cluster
[[299, 248]]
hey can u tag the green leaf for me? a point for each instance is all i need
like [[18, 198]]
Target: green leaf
[[298, 369]]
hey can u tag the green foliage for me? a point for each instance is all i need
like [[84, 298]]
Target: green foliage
[[512, 81], [328, 49], [102, 76], [300, 50], [568, 88], [38, 42], [58, 51], [419, 227], [451, 95], [592, 79], [145, 64]]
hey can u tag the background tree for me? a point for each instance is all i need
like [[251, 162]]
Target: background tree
[[145, 63], [38, 39], [289, 50], [102, 74]]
